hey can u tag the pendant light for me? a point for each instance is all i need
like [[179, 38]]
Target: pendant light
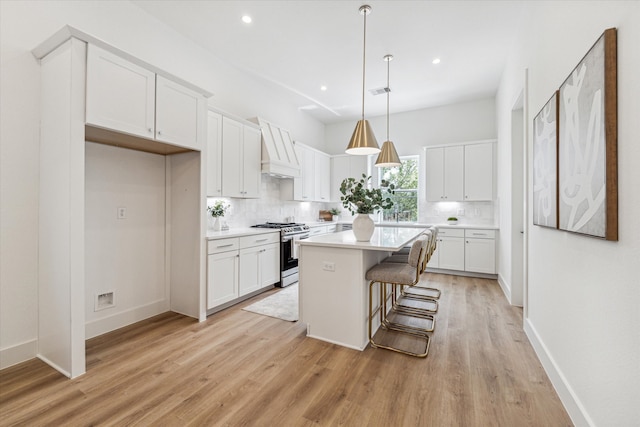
[[363, 141], [388, 157]]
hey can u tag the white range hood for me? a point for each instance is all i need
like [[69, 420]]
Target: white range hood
[[279, 158]]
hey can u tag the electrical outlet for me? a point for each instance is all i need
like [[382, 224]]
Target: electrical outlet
[[460, 212], [328, 266], [122, 213]]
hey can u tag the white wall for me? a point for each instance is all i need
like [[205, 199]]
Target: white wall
[[23, 26], [583, 295], [413, 130], [126, 256]]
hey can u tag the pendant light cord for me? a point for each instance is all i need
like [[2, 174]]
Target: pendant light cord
[[364, 57], [388, 91]]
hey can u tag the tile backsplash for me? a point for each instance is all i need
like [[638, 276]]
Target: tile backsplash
[[270, 207]]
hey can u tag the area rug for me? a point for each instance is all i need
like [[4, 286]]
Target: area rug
[[282, 305]]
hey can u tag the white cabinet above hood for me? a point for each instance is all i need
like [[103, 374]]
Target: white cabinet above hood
[[278, 155]]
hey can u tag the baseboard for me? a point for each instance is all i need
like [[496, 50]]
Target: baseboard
[[125, 318], [462, 273], [506, 288], [18, 353], [567, 396]]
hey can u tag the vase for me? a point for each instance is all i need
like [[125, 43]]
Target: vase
[[216, 224], [334, 218], [363, 227]]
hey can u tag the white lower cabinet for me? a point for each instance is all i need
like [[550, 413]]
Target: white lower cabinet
[[222, 271], [480, 251], [470, 250], [449, 254], [241, 265]]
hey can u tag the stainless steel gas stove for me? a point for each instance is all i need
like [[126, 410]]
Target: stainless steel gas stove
[[290, 233]]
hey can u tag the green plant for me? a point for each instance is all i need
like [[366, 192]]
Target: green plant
[[218, 209], [335, 211], [452, 218], [357, 198]]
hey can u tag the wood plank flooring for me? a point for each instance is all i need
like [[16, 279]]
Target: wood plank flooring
[[243, 369]]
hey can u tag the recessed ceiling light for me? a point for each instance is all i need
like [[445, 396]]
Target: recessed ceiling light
[[323, 88], [246, 19], [436, 61]]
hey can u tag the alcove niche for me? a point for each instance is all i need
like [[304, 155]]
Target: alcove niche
[[122, 219]]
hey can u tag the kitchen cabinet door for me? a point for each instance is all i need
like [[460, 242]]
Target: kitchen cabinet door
[[435, 174], [179, 113], [480, 255], [222, 278], [445, 174], [120, 94], [270, 265], [450, 253], [250, 270], [342, 167], [214, 154], [478, 172], [322, 176], [232, 169], [251, 165], [241, 167]]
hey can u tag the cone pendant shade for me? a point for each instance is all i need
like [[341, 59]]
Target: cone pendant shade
[[388, 157], [363, 141]]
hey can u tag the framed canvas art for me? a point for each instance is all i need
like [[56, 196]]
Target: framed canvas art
[[587, 146], [545, 165]]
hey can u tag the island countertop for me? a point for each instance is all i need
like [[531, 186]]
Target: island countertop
[[388, 239]]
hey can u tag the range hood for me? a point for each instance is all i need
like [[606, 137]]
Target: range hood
[[279, 158]]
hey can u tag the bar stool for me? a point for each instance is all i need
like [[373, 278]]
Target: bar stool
[[398, 274], [420, 291]]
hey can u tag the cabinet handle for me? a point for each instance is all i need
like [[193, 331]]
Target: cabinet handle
[[479, 234], [225, 246], [261, 240], [150, 130], [159, 132]]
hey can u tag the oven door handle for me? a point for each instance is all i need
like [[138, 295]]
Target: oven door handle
[[294, 244]]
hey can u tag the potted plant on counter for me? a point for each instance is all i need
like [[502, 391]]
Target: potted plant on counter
[[452, 220], [362, 201], [335, 212], [217, 210]]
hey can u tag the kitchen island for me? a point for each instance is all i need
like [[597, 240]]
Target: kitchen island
[[333, 290]]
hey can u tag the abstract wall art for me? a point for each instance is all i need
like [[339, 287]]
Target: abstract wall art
[[545, 165], [587, 146]]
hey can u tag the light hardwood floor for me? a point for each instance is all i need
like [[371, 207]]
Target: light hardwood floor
[[240, 368]]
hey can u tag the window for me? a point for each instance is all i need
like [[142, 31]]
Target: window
[[405, 179]]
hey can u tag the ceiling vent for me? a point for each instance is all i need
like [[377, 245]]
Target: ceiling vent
[[379, 91]]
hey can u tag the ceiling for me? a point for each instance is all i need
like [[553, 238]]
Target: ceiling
[[303, 45]]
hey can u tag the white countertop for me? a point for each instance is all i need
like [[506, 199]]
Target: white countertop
[[383, 239], [238, 232]]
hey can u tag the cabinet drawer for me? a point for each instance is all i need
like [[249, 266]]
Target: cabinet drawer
[[480, 234], [451, 232], [316, 231], [259, 239], [222, 245]]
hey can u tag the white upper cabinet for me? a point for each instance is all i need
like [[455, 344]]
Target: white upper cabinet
[[125, 97], [478, 172], [240, 160], [345, 166], [305, 185], [179, 112], [322, 168], [120, 94], [445, 168], [460, 173], [214, 154]]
